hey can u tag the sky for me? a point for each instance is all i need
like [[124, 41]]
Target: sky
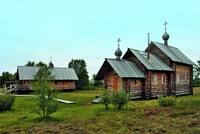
[[35, 30]]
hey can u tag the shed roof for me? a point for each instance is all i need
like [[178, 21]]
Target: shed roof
[[153, 63], [28, 73], [173, 53], [124, 68]]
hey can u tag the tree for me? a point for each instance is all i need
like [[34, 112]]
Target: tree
[[79, 67], [45, 105], [97, 83], [196, 74], [30, 63], [6, 76], [41, 64]]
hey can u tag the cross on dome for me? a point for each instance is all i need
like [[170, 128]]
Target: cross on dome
[[118, 41], [165, 24]]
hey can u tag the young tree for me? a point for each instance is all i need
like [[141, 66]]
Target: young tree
[[45, 105], [79, 67]]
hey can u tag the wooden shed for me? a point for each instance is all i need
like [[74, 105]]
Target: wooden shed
[[64, 77]]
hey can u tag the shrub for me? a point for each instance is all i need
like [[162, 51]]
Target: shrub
[[119, 99], [6, 102], [106, 99], [168, 101]]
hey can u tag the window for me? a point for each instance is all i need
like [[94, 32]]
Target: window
[[187, 76], [163, 79], [155, 81], [56, 82], [136, 81], [177, 79]]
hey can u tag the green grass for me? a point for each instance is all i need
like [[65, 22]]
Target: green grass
[[1, 89], [140, 116]]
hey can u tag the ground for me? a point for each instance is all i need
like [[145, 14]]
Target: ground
[[141, 116]]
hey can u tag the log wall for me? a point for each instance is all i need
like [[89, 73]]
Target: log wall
[[183, 79]]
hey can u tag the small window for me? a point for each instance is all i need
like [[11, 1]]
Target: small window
[[136, 81], [155, 80], [187, 76], [56, 83], [163, 79], [177, 79]]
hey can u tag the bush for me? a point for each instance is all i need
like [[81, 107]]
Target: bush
[[119, 99], [168, 101], [6, 102], [106, 99]]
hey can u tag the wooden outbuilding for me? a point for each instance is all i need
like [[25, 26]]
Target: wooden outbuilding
[[64, 77]]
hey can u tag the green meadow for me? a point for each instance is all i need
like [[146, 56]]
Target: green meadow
[[83, 117]]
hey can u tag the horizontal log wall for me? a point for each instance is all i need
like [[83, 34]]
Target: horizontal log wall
[[133, 87], [183, 79], [60, 85], [63, 85], [159, 83], [108, 81]]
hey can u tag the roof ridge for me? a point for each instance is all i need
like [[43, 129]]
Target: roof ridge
[[136, 50], [39, 66], [163, 44], [143, 52]]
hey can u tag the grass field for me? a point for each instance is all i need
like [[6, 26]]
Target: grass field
[[141, 116]]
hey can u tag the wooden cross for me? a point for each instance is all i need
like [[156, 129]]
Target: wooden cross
[[165, 25], [118, 41]]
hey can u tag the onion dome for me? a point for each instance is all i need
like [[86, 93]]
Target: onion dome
[[118, 52], [51, 64], [165, 36]]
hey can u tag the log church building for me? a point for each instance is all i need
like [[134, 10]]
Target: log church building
[[159, 70]]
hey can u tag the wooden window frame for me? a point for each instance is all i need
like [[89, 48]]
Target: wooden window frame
[[155, 79]]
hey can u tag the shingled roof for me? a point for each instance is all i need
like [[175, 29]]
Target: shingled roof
[[153, 63], [28, 73], [173, 53], [124, 68]]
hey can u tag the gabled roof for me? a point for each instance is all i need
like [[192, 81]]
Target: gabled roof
[[28, 73], [124, 68], [153, 63], [173, 53]]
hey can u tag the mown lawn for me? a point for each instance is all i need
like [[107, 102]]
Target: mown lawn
[[141, 116]]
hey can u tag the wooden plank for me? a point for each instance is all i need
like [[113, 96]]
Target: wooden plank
[[64, 101], [59, 100]]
